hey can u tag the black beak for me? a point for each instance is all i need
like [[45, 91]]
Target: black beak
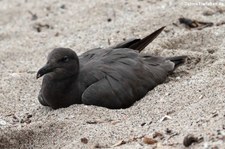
[[44, 70]]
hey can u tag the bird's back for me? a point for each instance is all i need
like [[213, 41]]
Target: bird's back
[[120, 74]]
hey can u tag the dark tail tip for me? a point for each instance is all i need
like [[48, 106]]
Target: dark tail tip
[[177, 60]]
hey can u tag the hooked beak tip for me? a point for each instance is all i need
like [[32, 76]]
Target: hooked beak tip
[[38, 76], [44, 70]]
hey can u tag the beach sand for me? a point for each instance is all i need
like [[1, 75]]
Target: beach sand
[[192, 101]]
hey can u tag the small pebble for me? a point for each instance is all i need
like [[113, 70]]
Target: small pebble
[[189, 140], [150, 141], [2, 122], [143, 124], [84, 140], [63, 6], [168, 131]]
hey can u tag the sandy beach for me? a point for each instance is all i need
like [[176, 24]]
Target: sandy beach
[[192, 101]]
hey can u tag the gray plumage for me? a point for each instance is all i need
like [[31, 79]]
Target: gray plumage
[[114, 78]]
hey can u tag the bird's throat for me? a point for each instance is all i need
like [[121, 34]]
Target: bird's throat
[[60, 93]]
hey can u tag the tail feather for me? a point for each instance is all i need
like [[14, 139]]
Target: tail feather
[[139, 44], [177, 60]]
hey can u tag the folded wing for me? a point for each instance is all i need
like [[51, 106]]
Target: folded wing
[[119, 77]]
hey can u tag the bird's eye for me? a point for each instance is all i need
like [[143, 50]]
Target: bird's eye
[[65, 59]]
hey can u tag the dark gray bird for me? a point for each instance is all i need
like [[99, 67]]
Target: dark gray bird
[[115, 77]]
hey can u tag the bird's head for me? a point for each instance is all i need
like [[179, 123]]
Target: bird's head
[[62, 63]]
